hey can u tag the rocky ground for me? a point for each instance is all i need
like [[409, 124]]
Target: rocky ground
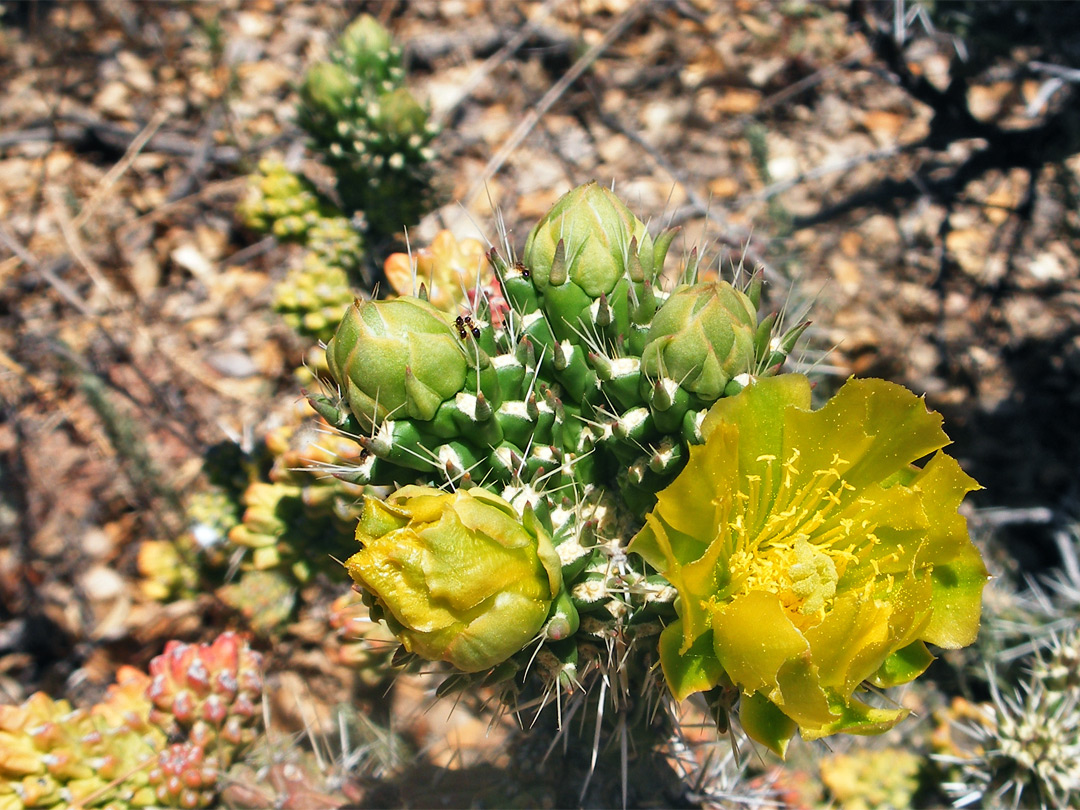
[[933, 237]]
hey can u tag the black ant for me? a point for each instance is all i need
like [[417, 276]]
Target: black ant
[[465, 325], [522, 269]]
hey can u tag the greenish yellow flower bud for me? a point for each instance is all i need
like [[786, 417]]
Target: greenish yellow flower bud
[[596, 229], [327, 89], [396, 358], [702, 337], [459, 576]]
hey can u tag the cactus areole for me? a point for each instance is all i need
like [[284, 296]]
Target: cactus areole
[[532, 446]]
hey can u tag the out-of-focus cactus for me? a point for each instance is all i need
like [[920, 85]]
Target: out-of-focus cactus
[[867, 780], [283, 203], [176, 569], [52, 755], [369, 52], [208, 694], [295, 522], [360, 642], [370, 129], [117, 754], [450, 271], [166, 574], [265, 599], [183, 776], [1020, 749], [313, 298], [301, 781]]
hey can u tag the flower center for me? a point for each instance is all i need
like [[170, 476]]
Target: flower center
[[796, 543]]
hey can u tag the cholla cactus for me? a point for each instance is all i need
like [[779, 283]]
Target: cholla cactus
[[209, 694], [360, 642], [782, 557], [117, 754], [297, 520], [1021, 750], [183, 776], [52, 755], [314, 297], [283, 203], [370, 129], [865, 780], [175, 569]]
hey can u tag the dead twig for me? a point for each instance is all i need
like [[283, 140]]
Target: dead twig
[[74, 242], [117, 171], [82, 131], [63, 289]]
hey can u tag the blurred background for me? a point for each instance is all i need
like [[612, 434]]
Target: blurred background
[[907, 173]]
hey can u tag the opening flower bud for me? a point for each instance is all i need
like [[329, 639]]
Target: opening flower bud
[[459, 576]]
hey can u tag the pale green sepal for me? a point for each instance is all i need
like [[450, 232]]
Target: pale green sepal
[[693, 670], [855, 717], [764, 723], [903, 666]]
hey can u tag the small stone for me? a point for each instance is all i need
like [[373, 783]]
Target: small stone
[[233, 364]]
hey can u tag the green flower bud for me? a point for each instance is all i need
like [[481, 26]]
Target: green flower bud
[[701, 337], [396, 359], [327, 89], [459, 576], [595, 229], [368, 46], [400, 114]]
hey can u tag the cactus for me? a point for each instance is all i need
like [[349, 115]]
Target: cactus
[[283, 203], [1018, 750], [208, 694], [861, 780], [547, 404], [52, 755], [599, 407], [117, 754], [360, 642], [183, 776], [370, 129], [298, 520], [176, 569]]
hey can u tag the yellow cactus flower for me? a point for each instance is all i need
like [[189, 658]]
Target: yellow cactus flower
[[459, 577], [810, 555]]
